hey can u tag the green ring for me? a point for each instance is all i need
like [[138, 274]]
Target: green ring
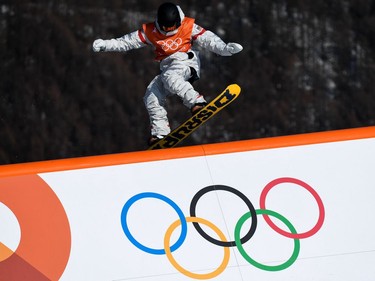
[[239, 245]]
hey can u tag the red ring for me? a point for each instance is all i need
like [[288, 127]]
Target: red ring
[[306, 234]]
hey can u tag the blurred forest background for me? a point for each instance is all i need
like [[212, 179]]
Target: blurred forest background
[[307, 66]]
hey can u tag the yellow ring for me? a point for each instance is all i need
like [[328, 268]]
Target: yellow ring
[[190, 274]]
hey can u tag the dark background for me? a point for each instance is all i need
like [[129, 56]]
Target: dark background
[[307, 66]]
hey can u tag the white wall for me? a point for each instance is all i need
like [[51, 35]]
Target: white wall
[[343, 248]]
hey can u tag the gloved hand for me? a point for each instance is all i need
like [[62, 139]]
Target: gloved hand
[[98, 45], [233, 48]]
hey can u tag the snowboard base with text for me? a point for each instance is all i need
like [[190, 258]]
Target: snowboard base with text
[[199, 118]]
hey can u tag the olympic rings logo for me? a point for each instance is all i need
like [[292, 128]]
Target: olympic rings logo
[[223, 242], [170, 44]]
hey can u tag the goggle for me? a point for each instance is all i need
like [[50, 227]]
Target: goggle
[[169, 28]]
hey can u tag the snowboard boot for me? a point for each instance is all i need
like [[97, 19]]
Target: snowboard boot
[[154, 139]]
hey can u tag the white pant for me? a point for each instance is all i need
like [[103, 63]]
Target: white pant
[[173, 80]]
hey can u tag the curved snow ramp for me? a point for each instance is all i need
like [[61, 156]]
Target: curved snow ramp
[[281, 208]]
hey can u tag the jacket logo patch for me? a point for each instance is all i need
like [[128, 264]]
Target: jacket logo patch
[[170, 44]]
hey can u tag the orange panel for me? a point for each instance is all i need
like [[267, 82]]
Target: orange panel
[[184, 152]]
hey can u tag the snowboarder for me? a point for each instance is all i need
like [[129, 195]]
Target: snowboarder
[[172, 36]]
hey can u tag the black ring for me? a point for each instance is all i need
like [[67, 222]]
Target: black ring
[[207, 189]]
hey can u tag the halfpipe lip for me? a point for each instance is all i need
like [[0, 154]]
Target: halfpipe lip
[[186, 152]]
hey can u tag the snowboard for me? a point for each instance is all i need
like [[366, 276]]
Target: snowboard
[[199, 118]]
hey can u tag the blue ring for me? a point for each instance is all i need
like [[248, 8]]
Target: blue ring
[[124, 223]]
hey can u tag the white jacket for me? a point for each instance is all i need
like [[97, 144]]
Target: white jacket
[[206, 39]]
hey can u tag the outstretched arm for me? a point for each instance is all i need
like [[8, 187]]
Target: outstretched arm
[[125, 43], [210, 41]]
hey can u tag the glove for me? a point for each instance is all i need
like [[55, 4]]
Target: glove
[[98, 45], [233, 48]]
